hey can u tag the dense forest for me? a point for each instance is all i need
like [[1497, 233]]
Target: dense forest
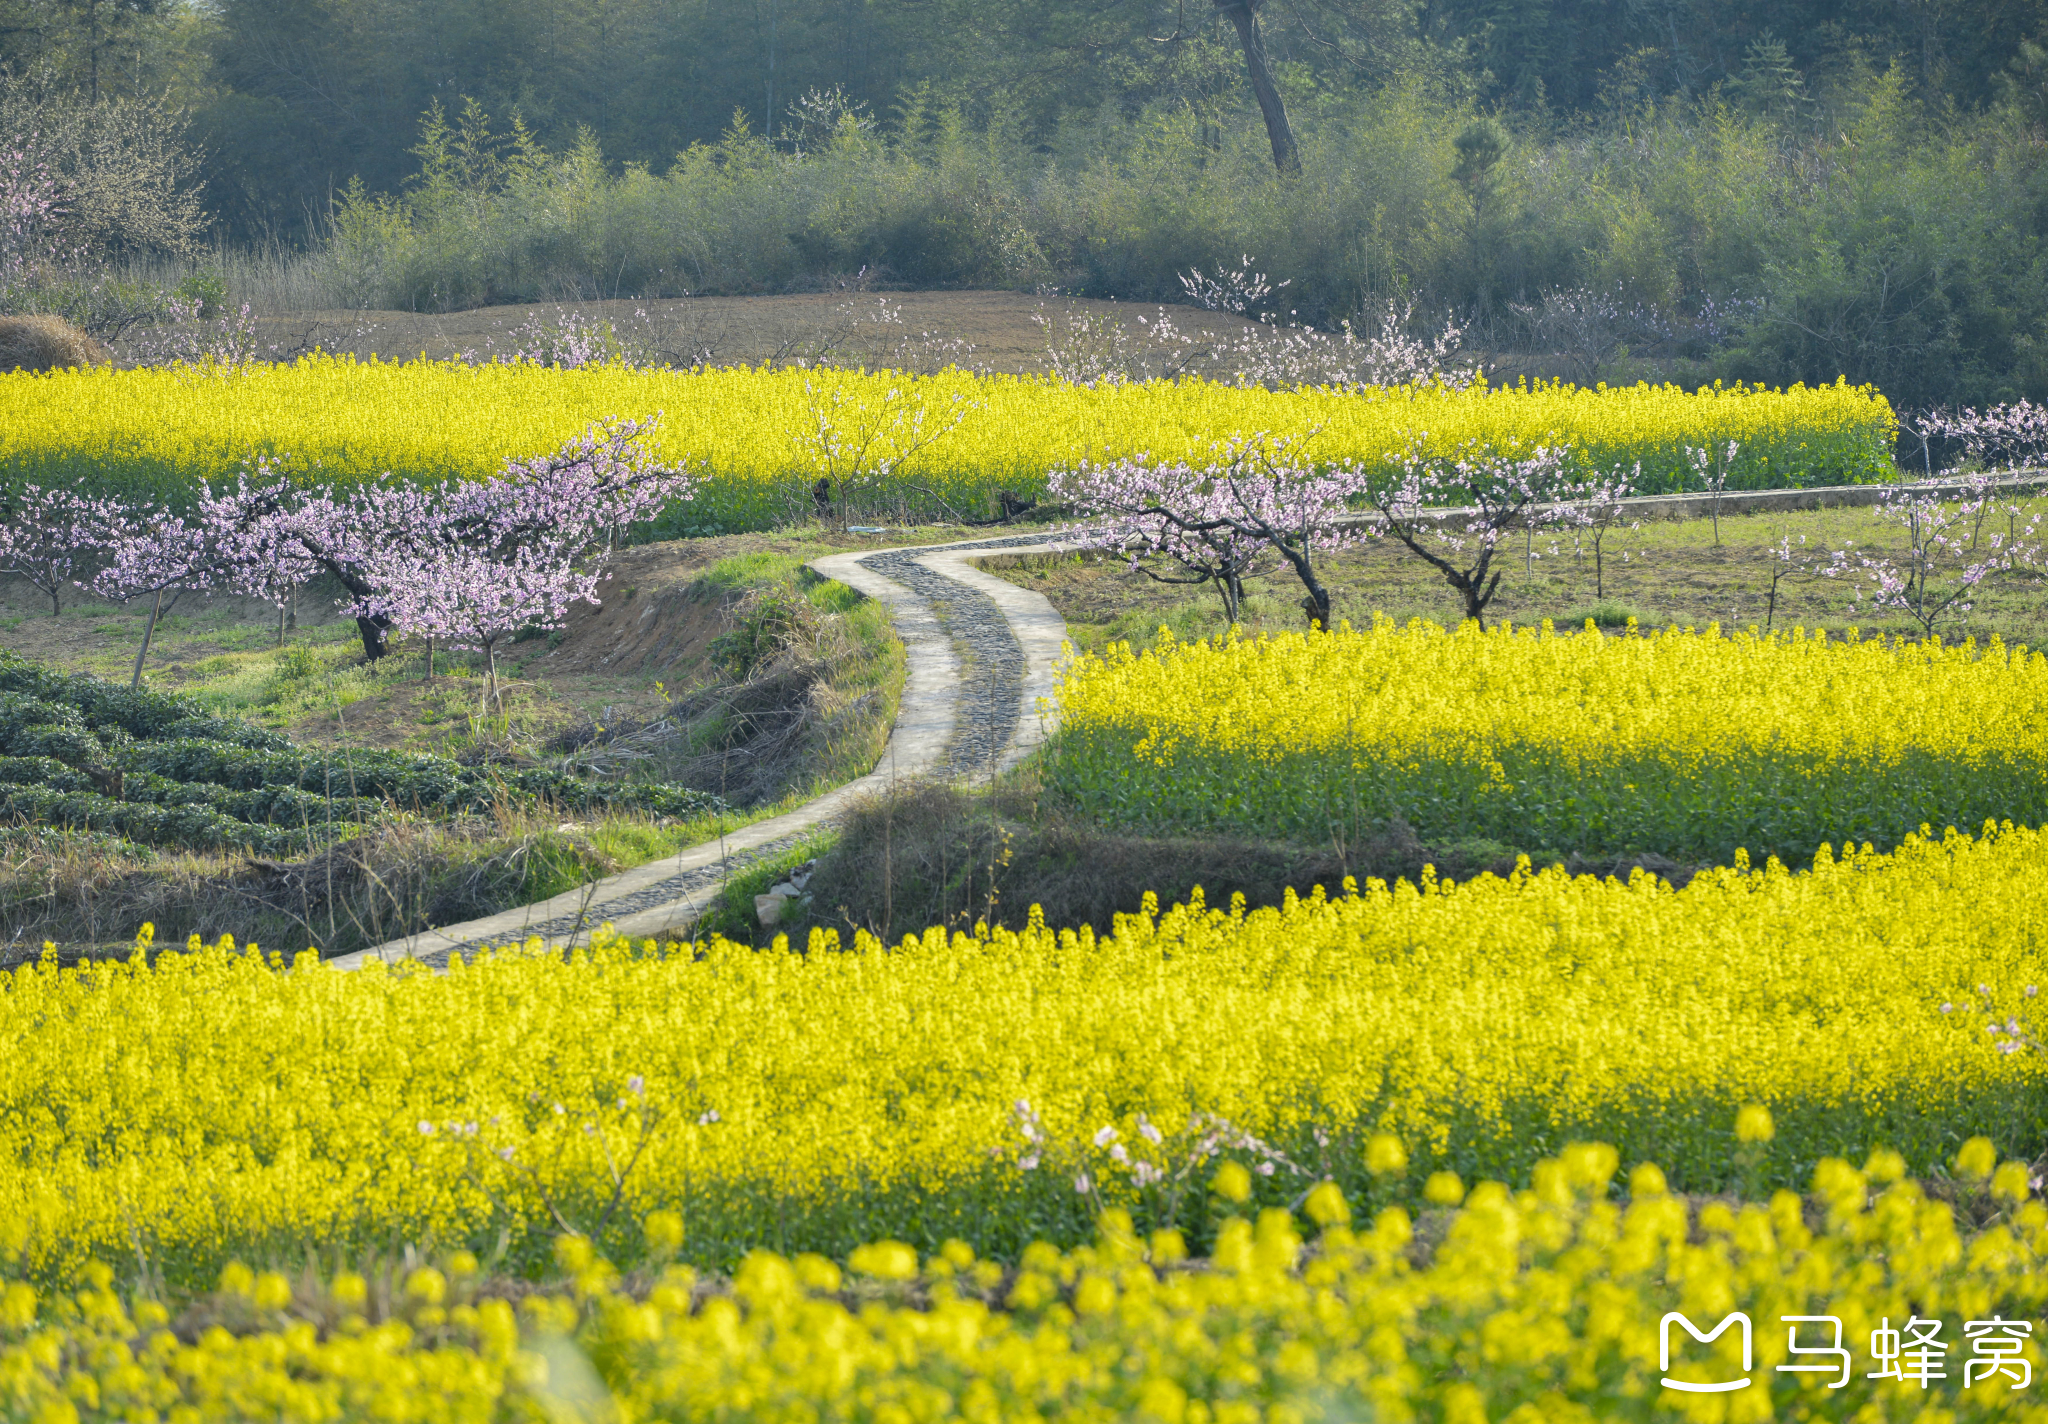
[[1796, 191]]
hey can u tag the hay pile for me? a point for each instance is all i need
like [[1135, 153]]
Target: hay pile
[[43, 343]]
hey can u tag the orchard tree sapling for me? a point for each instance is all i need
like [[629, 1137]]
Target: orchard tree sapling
[[466, 597], [497, 556], [1792, 561], [2000, 437], [1276, 495], [1948, 556], [1142, 508], [47, 532], [570, 506], [856, 442], [190, 337], [1491, 495], [152, 554], [1593, 509], [1257, 495], [1273, 356], [256, 557], [1710, 467]]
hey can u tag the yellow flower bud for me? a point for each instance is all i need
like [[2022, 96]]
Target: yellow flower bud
[[664, 1232], [814, 1272], [1232, 1182], [884, 1260], [1094, 1296], [1385, 1155], [2010, 1182], [1443, 1189], [1326, 1205], [1975, 1161], [572, 1254]]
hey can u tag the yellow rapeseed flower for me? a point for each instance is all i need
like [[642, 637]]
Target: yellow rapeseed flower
[[212, 1105], [160, 431], [1686, 742]]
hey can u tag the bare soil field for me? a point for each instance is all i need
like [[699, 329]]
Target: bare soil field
[[997, 329]]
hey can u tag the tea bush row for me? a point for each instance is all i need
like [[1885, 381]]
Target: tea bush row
[[79, 752]]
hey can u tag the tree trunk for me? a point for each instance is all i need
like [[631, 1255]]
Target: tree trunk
[[1317, 606], [1231, 591], [372, 631], [1317, 602], [148, 632], [1244, 15], [1478, 591]]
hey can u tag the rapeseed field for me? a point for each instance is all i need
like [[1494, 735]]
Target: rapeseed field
[[1684, 742], [907, 446]]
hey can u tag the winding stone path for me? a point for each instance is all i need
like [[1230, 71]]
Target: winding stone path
[[977, 698]]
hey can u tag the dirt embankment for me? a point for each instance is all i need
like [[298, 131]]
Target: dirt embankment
[[646, 623]]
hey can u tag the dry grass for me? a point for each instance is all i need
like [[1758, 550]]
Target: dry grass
[[89, 893], [930, 853], [809, 678], [43, 343]]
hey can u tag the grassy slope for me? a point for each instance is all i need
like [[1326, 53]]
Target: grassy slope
[[624, 663], [1670, 572]]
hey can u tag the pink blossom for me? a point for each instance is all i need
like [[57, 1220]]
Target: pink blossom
[[2001, 436], [471, 562], [1492, 493], [1952, 546], [1257, 497], [47, 532]]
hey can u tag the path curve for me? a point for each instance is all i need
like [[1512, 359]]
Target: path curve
[[981, 655]]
